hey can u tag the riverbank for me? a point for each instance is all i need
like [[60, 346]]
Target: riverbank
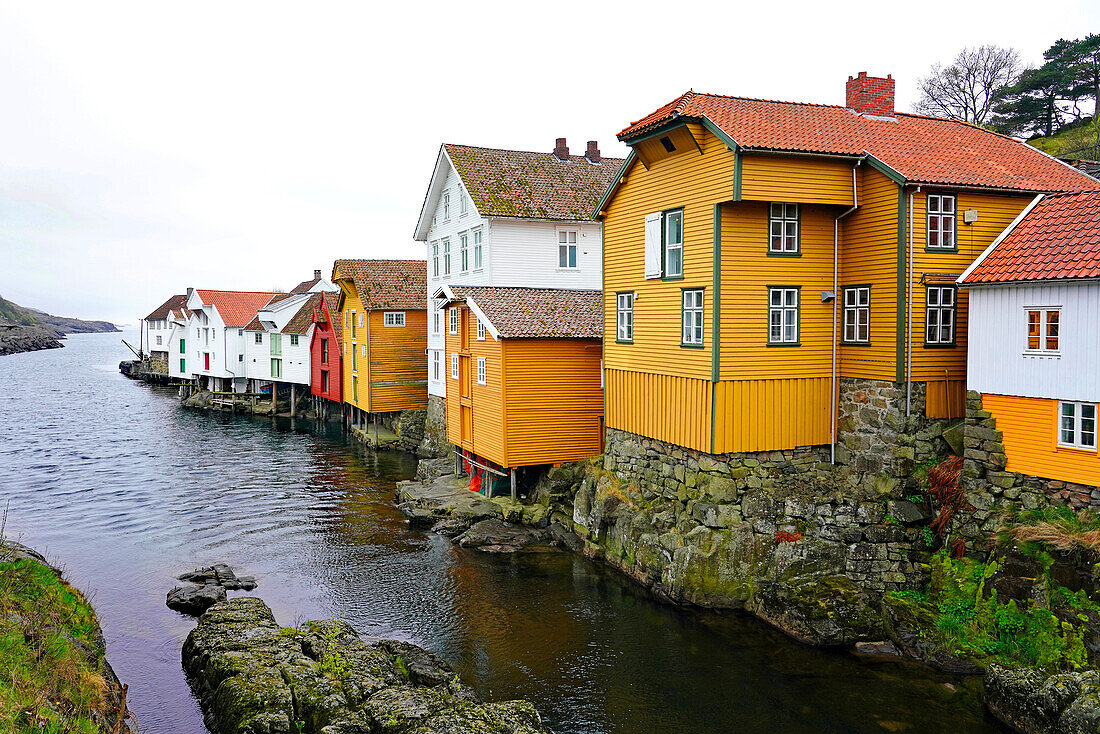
[[54, 675], [28, 330]]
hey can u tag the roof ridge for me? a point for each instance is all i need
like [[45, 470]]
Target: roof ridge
[[531, 152]]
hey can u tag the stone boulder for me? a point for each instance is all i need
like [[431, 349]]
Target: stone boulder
[[1035, 702], [194, 600], [820, 610], [497, 536], [251, 675], [219, 574]]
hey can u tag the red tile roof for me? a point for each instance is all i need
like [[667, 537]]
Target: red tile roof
[[538, 313], [922, 149], [303, 318], [237, 308], [517, 183], [254, 324], [305, 285], [332, 303], [387, 283], [1058, 239], [165, 309]]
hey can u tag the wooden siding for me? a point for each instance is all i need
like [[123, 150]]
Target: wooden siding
[[695, 183], [350, 344], [771, 414], [995, 212], [1030, 433], [869, 256], [665, 407], [651, 150], [945, 398], [553, 402], [748, 270], [796, 179], [398, 363], [484, 434]]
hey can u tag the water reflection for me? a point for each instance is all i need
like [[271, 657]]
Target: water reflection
[[126, 489]]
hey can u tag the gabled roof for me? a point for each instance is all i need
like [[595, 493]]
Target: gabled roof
[[254, 324], [237, 308], [922, 149], [381, 284], [520, 184], [303, 318], [534, 313], [305, 285], [165, 309], [1058, 238], [332, 304]]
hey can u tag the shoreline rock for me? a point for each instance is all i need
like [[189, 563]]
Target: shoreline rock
[[1034, 702], [209, 586], [250, 674]]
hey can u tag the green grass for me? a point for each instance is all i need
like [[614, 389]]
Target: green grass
[[971, 620], [48, 632]]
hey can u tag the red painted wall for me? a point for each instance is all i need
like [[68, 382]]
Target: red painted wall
[[323, 321]]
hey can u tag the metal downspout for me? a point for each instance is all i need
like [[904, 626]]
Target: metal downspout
[[836, 297], [909, 318]]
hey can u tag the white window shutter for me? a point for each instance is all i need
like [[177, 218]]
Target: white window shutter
[[653, 245]]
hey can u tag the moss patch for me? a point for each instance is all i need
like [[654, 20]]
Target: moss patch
[[50, 654]]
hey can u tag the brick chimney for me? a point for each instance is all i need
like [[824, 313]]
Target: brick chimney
[[593, 152], [561, 150], [870, 95], [316, 274]]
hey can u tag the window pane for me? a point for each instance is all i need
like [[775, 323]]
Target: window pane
[[1052, 330], [776, 211], [933, 203], [777, 228], [947, 204], [674, 264], [792, 297], [776, 297], [573, 256], [674, 229]]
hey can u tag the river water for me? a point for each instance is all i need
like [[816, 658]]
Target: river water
[[124, 489]]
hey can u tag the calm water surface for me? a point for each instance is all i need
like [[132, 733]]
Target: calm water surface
[[124, 489]]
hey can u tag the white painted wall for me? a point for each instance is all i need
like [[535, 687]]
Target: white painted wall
[[225, 346], [997, 358], [155, 328], [257, 357], [179, 329]]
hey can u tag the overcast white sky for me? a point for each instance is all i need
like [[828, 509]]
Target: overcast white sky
[[149, 146]]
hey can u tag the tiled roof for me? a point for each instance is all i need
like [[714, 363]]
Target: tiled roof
[[1058, 239], [332, 302], [165, 309], [387, 283], [305, 285], [538, 313], [922, 149], [516, 183], [254, 324], [237, 308], [303, 319]]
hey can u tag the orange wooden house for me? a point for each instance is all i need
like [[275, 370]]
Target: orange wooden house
[[523, 382], [384, 335]]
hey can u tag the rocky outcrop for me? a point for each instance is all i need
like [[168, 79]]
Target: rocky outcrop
[[194, 600], [18, 339], [251, 675], [1034, 702], [220, 574]]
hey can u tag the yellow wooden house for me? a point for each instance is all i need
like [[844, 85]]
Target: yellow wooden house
[[523, 378], [762, 258], [383, 310]]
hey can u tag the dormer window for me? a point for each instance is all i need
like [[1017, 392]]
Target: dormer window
[[669, 146]]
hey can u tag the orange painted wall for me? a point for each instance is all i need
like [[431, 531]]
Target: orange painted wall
[[398, 363], [1030, 429]]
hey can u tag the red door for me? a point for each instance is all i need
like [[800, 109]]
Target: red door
[[207, 356]]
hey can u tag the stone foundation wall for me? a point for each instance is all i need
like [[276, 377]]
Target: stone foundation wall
[[435, 442], [407, 424], [711, 529], [158, 363], [990, 490]]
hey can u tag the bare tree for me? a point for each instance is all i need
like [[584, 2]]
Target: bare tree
[[970, 86]]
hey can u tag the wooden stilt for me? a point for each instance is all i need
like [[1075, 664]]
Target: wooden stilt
[[512, 474]]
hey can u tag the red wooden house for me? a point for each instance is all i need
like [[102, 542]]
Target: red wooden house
[[326, 366]]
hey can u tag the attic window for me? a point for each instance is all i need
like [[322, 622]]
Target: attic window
[[667, 142]]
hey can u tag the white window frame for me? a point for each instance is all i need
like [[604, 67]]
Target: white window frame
[[1077, 424], [437, 370], [258, 338], [691, 332], [276, 362], [857, 315], [934, 312], [452, 320], [944, 208], [347, 319], [160, 340], [1044, 335], [437, 321], [435, 259], [361, 317], [446, 257], [784, 302], [667, 246], [454, 366], [481, 371], [446, 206], [567, 249], [624, 317], [463, 203], [464, 252], [363, 348], [293, 340], [480, 330], [784, 225], [478, 262], [394, 318]]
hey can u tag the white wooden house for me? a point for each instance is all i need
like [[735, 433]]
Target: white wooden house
[[1034, 324], [277, 341], [215, 341], [158, 331], [509, 218]]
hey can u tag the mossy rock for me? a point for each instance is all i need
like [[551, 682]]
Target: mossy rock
[[820, 610]]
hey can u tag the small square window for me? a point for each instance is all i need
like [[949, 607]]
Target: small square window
[[1043, 325], [941, 221], [259, 338], [293, 340], [624, 317], [783, 226], [939, 315], [692, 321], [394, 318], [567, 249], [1077, 425], [783, 315], [857, 315]]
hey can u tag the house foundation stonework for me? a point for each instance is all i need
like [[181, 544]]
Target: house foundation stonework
[[435, 429]]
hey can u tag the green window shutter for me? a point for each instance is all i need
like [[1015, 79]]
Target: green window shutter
[[183, 346], [276, 345]]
